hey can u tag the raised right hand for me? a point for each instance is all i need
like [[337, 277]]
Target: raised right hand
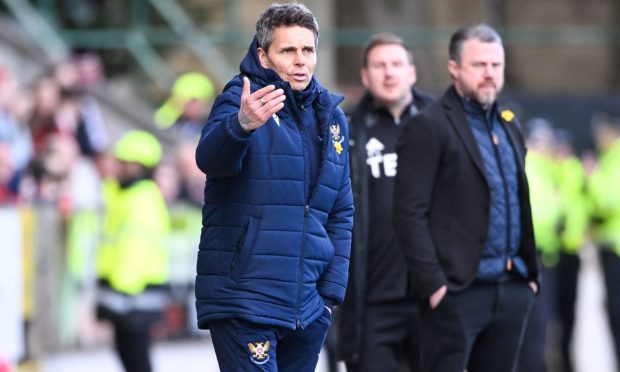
[[256, 108]]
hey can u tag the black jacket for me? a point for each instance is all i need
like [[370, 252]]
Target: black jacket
[[441, 205], [350, 313]]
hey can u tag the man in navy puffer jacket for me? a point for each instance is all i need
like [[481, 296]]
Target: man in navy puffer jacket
[[277, 217]]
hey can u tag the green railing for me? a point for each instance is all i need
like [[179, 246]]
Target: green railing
[[142, 36], [39, 29]]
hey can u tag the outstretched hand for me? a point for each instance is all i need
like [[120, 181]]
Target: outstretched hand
[[256, 108]]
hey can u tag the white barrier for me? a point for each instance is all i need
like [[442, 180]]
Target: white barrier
[[11, 285]]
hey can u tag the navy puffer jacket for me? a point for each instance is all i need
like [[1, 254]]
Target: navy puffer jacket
[[272, 250]]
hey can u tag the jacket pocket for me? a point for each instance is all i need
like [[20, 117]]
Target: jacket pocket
[[244, 249]]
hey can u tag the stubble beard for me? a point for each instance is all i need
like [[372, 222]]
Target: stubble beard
[[485, 99]]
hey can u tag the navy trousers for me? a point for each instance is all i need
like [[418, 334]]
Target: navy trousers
[[479, 329], [244, 346], [534, 350]]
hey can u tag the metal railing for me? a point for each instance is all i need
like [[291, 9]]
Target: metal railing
[[40, 29], [140, 38]]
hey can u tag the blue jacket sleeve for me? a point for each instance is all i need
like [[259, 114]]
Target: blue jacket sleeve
[[223, 143], [333, 283]]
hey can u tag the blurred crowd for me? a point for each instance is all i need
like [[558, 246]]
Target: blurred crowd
[[54, 141], [51, 130], [58, 153], [573, 205]]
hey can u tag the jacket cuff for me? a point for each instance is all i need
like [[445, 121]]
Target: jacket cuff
[[235, 126], [329, 303]]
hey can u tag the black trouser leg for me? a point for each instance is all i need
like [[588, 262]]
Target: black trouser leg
[[390, 341], [610, 263], [567, 274], [533, 352], [479, 329], [132, 345]]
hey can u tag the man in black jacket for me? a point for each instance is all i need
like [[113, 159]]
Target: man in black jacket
[[378, 321], [462, 215]]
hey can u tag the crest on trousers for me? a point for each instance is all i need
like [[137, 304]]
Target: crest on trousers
[[337, 139], [259, 352]]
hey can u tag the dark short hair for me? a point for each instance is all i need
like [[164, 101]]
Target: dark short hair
[[478, 31], [284, 15], [384, 38]]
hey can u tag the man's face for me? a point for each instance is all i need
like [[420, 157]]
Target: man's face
[[480, 74], [389, 75], [292, 55]]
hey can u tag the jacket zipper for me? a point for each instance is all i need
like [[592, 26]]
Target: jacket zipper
[[310, 194], [495, 143], [300, 268], [303, 136]]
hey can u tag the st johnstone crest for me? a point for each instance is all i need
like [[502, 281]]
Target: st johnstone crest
[[259, 352], [337, 139]]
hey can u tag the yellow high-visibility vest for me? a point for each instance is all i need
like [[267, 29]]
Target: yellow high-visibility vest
[[605, 199], [572, 183], [134, 250], [546, 204]]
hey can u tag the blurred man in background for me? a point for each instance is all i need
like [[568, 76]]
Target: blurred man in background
[[605, 203], [133, 259], [185, 111], [547, 213], [574, 234], [378, 322]]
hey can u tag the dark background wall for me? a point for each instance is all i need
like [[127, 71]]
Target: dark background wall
[[562, 56]]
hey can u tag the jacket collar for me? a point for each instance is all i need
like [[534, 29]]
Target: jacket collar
[[366, 110], [251, 67], [454, 109], [456, 114]]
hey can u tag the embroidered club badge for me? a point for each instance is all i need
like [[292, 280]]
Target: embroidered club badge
[[337, 139], [259, 352]]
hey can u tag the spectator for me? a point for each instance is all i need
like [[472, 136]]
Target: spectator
[[81, 108], [132, 261], [191, 179], [42, 123], [46, 179], [605, 201], [15, 105], [547, 211], [186, 109], [168, 180], [574, 234], [8, 189]]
